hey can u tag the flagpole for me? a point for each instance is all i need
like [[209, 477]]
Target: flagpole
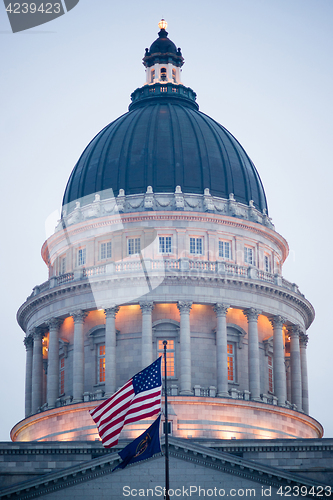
[[165, 342]]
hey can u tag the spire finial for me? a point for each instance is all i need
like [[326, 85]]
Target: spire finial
[[163, 24]]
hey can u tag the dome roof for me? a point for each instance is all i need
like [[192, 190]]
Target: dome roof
[[164, 141], [164, 144], [163, 44]]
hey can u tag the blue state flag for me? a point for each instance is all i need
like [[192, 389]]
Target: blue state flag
[[143, 447]]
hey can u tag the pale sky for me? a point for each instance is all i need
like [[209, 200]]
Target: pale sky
[[261, 68]]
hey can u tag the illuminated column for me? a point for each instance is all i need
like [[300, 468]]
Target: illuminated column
[[78, 356], [37, 371], [147, 334], [304, 339], [53, 362], [295, 365], [253, 353], [221, 349], [110, 350], [185, 348], [279, 369], [28, 342]]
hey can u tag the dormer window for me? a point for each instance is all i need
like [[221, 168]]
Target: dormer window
[[163, 74]]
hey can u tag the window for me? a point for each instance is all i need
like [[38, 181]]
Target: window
[[62, 265], [164, 89], [196, 246], [106, 250], [174, 76], [62, 376], [224, 249], [165, 244], [248, 255], [170, 356], [101, 363], [81, 257], [152, 76], [231, 362], [270, 374], [163, 74], [134, 246], [267, 264]]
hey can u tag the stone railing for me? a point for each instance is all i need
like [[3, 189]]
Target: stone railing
[[173, 390], [179, 267]]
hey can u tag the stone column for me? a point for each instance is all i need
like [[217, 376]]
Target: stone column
[[110, 350], [295, 365], [28, 342], [253, 353], [185, 348], [53, 362], [288, 379], [37, 371], [279, 368], [147, 334], [78, 356], [222, 350], [304, 370]]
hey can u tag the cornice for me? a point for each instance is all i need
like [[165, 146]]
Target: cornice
[[294, 300]]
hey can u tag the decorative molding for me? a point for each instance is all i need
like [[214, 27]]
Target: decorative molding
[[303, 339], [252, 314], [79, 316], [184, 307], [294, 331], [28, 342], [53, 323], [277, 321], [221, 309], [111, 312], [37, 334], [147, 307]]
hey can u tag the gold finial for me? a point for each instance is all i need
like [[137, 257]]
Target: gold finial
[[162, 24]]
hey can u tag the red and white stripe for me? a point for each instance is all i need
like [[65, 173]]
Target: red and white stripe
[[122, 408]]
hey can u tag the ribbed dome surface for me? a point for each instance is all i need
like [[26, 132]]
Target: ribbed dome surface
[[163, 145]]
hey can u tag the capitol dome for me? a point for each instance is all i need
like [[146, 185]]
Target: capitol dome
[[164, 141]]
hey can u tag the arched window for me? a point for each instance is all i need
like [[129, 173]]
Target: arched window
[[163, 74], [174, 76]]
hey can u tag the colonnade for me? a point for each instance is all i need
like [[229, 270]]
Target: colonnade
[[298, 388]]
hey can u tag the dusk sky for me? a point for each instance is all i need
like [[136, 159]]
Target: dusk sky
[[261, 68]]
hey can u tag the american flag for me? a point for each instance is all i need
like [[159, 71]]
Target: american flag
[[139, 398]]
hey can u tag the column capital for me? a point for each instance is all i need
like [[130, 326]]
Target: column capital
[[251, 314], [277, 321], [303, 339], [111, 312], [28, 342], [294, 331], [37, 333], [184, 306], [146, 307], [53, 323], [220, 309], [79, 316]]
